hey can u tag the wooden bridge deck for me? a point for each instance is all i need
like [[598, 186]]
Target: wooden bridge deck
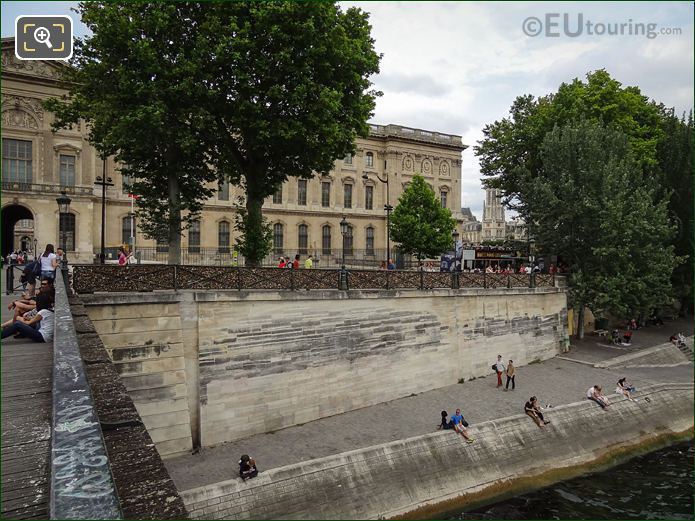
[[26, 425]]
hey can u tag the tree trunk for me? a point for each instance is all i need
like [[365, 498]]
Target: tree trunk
[[254, 205], [580, 322], [174, 220]]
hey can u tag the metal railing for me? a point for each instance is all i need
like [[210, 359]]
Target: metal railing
[[113, 278], [82, 486], [19, 186]]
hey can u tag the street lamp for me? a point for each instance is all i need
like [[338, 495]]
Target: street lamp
[[36, 244], [103, 181], [63, 208], [455, 236], [388, 209], [344, 231]]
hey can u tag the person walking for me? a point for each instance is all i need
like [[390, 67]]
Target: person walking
[[308, 263], [499, 369], [510, 373], [49, 263], [295, 264]]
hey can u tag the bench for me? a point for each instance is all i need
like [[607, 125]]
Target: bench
[[601, 332]]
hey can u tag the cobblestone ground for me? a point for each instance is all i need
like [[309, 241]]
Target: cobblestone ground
[[554, 381]]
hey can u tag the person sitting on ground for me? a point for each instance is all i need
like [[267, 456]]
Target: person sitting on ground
[[27, 307], [28, 278], [680, 340], [39, 328], [247, 467], [533, 410], [627, 337], [445, 424], [595, 394], [625, 389], [615, 336], [674, 340], [460, 425]]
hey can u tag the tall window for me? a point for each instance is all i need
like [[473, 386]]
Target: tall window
[[370, 240], [194, 237], [370, 159], [277, 196], [223, 191], [347, 241], [303, 238], [348, 159], [66, 233], [126, 183], [442, 196], [325, 194], [326, 240], [126, 229], [67, 170], [162, 246], [369, 197], [277, 238], [16, 160], [347, 195], [223, 237], [301, 192]]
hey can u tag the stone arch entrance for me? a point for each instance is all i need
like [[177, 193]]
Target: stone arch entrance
[[11, 215]]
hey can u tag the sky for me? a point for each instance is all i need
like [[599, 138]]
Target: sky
[[455, 67]]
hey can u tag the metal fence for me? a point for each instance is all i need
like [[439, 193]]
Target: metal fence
[[111, 278]]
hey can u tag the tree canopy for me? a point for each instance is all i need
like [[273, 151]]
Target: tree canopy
[[187, 93], [419, 223]]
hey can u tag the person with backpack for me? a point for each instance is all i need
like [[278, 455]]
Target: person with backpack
[[49, 263], [247, 467], [499, 368]]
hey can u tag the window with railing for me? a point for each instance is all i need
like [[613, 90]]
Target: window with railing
[[370, 159], [303, 238], [347, 241], [325, 194], [277, 195], [16, 161], [301, 192], [223, 190], [223, 237], [127, 230], [369, 240], [194, 237], [347, 195], [326, 240], [369, 197], [67, 170], [278, 237], [66, 231]]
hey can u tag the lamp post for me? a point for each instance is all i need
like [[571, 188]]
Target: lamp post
[[63, 208], [388, 209], [103, 181], [455, 236], [36, 244]]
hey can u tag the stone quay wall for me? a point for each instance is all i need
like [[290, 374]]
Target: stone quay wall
[[205, 367], [424, 476]]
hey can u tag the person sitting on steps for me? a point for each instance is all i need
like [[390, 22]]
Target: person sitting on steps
[[460, 425], [533, 410], [247, 467]]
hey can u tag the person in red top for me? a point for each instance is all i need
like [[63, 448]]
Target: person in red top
[[282, 263], [553, 269], [295, 264]]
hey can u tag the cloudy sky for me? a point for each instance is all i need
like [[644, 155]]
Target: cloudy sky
[[456, 66]]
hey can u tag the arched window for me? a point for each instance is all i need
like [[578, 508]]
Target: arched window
[[347, 241], [326, 240], [370, 240], [303, 241], [127, 230], [194, 237], [66, 238], [370, 159], [223, 237], [278, 237]]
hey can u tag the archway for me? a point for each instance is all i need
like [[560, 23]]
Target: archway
[[11, 215]]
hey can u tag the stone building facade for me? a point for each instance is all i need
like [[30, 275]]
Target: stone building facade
[[305, 214]]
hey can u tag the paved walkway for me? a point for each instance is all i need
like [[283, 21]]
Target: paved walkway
[[554, 381], [26, 424]]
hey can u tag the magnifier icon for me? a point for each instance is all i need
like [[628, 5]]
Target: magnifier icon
[[42, 35]]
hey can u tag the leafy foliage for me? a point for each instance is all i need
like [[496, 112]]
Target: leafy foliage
[[419, 223], [596, 207], [253, 241]]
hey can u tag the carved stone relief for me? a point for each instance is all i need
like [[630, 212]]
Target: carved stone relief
[[18, 118], [35, 68], [408, 164], [444, 168], [426, 166]]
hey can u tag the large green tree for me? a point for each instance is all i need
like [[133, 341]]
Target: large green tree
[[419, 224], [137, 82], [252, 92], [661, 145], [288, 86], [596, 208]]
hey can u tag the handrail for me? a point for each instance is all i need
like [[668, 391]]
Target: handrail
[[82, 486]]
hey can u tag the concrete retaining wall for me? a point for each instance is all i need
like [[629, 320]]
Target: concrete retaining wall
[[233, 364], [400, 477]]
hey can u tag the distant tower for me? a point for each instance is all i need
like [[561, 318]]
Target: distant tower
[[493, 216]]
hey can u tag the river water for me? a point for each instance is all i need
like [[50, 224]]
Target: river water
[[658, 485]]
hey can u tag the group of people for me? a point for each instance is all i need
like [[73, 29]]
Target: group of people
[[509, 371], [677, 340], [294, 264], [595, 393], [18, 257], [33, 311], [456, 423]]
